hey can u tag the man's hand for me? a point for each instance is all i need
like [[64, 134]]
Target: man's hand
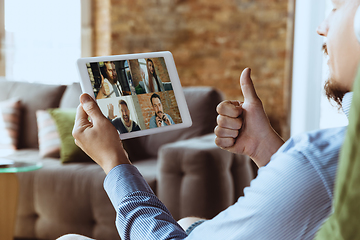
[[244, 128], [166, 119], [110, 108], [98, 138], [158, 121]]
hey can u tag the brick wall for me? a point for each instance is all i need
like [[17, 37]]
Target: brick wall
[[212, 42]]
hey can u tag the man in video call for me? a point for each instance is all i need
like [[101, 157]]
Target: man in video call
[[160, 118], [292, 194], [110, 85], [123, 124]]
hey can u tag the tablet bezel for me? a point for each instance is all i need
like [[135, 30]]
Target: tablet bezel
[[86, 87]]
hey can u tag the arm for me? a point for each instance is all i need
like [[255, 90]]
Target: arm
[[287, 200], [244, 128], [139, 212], [169, 120]]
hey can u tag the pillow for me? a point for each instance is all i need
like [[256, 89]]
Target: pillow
[[9, 125], [49, 139], [65, 119]]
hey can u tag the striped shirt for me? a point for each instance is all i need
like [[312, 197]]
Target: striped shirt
[[289, 199]]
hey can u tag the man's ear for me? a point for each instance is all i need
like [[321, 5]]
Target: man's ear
[[357, 24]]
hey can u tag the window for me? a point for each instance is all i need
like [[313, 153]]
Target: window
[[42, 40], [310, 109]]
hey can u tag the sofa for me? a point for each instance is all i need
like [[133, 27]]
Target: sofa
[[187, 171]]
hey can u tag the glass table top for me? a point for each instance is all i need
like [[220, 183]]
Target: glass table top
[[17, 166]]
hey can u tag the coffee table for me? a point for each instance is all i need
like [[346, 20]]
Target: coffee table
[[9, 191]]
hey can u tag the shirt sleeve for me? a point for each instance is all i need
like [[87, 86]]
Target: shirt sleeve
[[139, 213], [287, 200], [171, 121]]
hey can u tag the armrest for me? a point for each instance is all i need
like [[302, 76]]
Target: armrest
[[197, 178]]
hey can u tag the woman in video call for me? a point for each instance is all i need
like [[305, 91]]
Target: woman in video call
[[152, 81]]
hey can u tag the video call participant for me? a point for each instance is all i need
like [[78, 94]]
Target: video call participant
[[154, 84], [110, 85], [123, 124], [160, 118]]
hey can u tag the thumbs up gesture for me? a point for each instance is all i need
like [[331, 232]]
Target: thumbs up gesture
[[244, 128]]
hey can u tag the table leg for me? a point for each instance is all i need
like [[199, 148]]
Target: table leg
[[9, 190]]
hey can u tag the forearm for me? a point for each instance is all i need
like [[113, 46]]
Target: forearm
[[267, 147], [140, 214]]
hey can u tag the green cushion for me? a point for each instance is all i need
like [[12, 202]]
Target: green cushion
[[345, 220], [65, 119]]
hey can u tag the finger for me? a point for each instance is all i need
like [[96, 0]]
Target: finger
[[224, 142], [229, 108], [225, 132], [90, 107], [81, 120], [229, 123], [247, 86], [81, 116]]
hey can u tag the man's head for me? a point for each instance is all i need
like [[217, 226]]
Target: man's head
[[342, 48], [125, 113], [110, 71], [156, 104]]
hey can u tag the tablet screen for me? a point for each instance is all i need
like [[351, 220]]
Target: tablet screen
[[135, 94]]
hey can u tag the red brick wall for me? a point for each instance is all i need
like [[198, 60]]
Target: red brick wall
[[212, 42], [161, 69]]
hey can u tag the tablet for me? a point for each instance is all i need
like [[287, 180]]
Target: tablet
[[140, 93]]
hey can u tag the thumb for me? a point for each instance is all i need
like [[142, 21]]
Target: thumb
[[247, 86], [90, 107]]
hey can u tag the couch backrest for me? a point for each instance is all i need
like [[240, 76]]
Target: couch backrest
[[202, 102], [33, 97]]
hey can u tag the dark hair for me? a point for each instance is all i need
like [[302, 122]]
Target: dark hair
[[153, 75], [154, 96], [104, 72], [123, 103]]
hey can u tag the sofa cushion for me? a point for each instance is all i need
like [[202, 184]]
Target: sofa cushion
[[67, 198], [71, 96], [9, 125], [34, 96], [49, 139], [65, 119]]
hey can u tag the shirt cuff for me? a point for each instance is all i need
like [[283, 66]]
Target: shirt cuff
[[123, 180]]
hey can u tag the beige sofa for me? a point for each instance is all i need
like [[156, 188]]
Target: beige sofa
[[187, 171]]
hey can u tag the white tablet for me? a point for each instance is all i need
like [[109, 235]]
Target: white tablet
[[140, 93]]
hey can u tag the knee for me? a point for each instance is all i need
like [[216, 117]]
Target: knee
[[186, 222], [73, 237]]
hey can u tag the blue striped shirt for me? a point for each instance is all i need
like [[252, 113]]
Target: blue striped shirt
[[289, 199]]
